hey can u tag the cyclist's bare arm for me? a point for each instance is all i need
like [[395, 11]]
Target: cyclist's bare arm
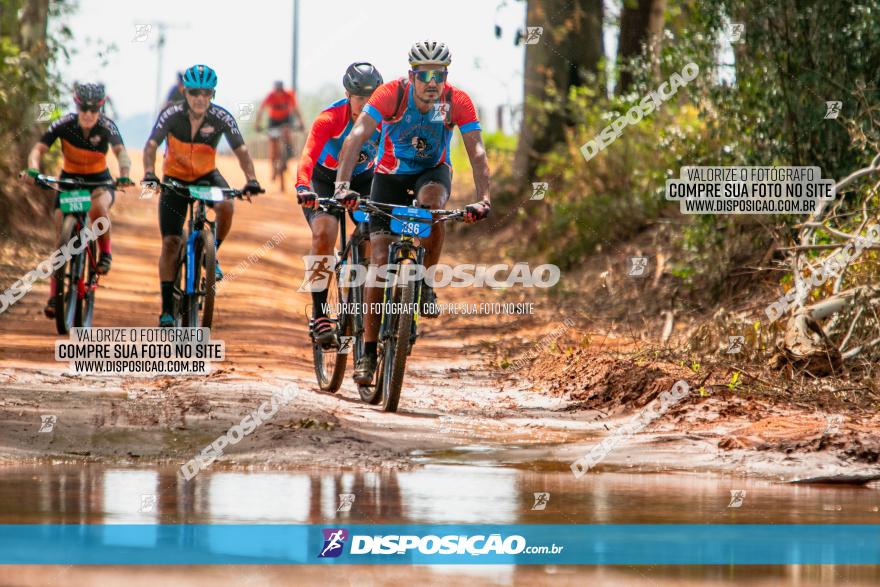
[[150, 156], [245, 162], [124, 160], [473, 143], [36, 155], [351, 147], [258, 120], [298, 115]]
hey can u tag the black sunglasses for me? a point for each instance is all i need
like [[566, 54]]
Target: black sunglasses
[[89, 108], [197, 93]]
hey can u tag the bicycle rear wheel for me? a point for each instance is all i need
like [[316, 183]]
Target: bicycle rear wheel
[[68, 304], [395, 348], [281, 169], [329, 363]]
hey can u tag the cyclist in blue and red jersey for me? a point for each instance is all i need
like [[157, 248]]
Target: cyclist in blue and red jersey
[[418, 116], [316, 173]]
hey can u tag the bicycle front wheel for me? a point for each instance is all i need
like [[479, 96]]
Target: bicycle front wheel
[[200, 309], [91, 286], [396, 346], [68, 305], [329, 362]]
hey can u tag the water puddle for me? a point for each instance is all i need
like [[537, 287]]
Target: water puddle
[[442, 494]]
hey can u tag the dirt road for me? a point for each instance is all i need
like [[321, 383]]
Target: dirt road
[[451, 396], [261, 318]]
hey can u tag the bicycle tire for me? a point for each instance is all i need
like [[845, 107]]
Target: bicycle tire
[[88, 303], [201, 303], [371, 394], [67, 281], [180, 309], [329, 364], [396, 348]]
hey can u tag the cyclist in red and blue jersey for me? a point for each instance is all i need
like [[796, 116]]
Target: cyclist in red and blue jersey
[[418, 116], [316, 174]]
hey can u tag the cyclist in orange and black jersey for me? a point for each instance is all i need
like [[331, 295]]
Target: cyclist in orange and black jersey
[[85, 136], [192, 130]]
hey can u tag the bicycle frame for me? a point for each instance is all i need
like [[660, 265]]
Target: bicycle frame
[[55, 183], [402, 249]]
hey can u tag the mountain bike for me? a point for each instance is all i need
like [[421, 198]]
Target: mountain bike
[[398, 329], [280, 151], [341, 288], [75, 288], [194, 278]]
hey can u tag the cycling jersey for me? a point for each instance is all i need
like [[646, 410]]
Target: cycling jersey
[[83, 154], [188, 158], [325, 142], [280, 105], [418, 141]]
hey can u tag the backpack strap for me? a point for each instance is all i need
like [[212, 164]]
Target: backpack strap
[[447, 97], [402, 93], [402, 96]]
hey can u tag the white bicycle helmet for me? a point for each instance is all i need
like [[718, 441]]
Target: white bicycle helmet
[[429, 53]]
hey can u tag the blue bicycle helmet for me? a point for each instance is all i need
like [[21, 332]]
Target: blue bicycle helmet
[[200, 77]]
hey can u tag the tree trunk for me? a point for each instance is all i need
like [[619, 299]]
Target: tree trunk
[[641, 28], [33, 24], [565, 56]]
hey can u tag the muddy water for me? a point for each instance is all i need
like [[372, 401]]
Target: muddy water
[[447, 493]]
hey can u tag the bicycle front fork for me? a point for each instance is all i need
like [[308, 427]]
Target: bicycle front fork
[[397, 252]]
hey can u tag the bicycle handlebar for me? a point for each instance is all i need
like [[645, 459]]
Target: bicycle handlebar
[[48, 180], [230, 193], [372, 206]]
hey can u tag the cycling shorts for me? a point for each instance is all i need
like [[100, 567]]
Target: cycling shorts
[[323, 181], [280, 122], [173, 206], [401, 190], [89, 177]]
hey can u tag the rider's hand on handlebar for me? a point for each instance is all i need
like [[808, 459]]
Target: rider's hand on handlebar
[[306, 199], [347, 198], [31, 173], [123, 182], [252, 188], [150, 179], [478, 211]]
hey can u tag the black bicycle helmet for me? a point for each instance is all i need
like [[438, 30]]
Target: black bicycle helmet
[[90, 95], [361, 79]]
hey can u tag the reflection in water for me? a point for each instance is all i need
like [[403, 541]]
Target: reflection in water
[[433, 494], [460, 494], [437, 494], [258, 497]]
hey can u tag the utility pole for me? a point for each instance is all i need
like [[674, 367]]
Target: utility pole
[[160, 51], [295, 56]]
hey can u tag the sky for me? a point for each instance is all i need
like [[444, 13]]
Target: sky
[[249, 45]]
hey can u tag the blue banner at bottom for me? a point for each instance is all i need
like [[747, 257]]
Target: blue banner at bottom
[[516, 544]]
